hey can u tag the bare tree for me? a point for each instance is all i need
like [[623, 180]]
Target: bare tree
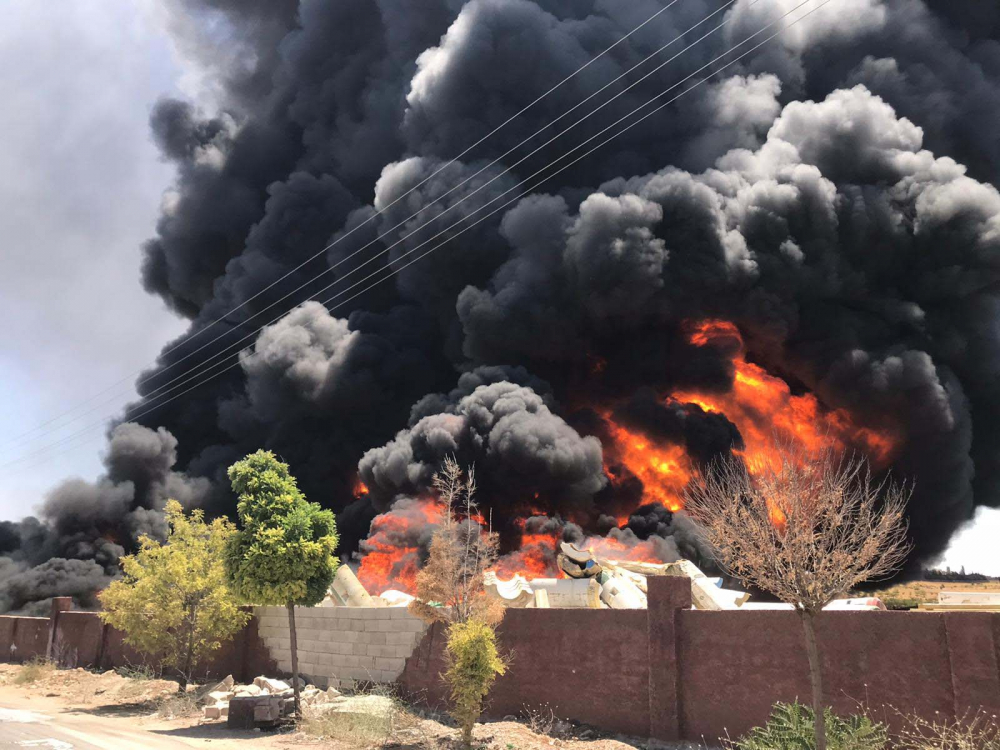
[[805, 527], [461, 552]]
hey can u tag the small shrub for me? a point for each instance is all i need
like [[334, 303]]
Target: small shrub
[[34, 670], [473, 665], [791, 726], [976, 731], [179, 705]]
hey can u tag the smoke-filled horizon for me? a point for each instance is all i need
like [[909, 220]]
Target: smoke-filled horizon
[[807, 245]]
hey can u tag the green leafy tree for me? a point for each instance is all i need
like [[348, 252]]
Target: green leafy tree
[[473, 664], [173, 600], [282, 552]]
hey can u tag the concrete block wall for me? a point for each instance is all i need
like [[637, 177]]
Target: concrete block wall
[[340, 646]]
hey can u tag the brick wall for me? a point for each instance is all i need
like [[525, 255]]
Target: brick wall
[[23, 638], [673, 673], [339, 646], [80, 639]]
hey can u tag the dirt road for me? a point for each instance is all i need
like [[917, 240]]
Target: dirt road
[[46, 723]]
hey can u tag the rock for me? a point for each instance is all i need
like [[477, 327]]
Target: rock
[[271, 686], [266, 712], [332, 693], [245, 690], [213, 712], [226, 685], [217, 696], [247, 711]]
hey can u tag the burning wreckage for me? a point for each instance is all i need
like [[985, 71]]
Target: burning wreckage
[[585, 582]]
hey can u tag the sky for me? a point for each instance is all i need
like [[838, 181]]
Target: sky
[[80, 188]]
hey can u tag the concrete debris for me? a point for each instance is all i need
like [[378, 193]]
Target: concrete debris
[[393, 598], [217, 696], [607, 584], [268, 685], [577, 563], [570, 592], [618, 591], [516, 593], [264, 702], [347, 591]]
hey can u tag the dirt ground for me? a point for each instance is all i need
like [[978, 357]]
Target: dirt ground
[[134, 707], [927, 591]]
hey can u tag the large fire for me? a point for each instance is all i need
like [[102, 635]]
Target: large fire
[[760, 405]]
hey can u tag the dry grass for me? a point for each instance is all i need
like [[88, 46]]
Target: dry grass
[[974, 731], [33, 671], [179, 705], [378, 717]]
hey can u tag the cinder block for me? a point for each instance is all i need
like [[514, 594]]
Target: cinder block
[[390, 663], [350, 636], [365, 662], [403, 651]]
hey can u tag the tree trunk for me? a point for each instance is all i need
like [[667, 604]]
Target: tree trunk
[[295, 657], [816, 677], [189, 654]]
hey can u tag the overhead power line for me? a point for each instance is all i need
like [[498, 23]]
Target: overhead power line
[[368, 220], [528, 190], [165, 387]]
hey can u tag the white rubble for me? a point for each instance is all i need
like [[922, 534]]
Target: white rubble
[[283, 704]]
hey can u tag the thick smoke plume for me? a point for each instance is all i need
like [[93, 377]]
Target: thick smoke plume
[[832, 196]]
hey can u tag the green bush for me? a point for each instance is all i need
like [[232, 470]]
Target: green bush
[[790, 727], [473, 665], [900, 603]]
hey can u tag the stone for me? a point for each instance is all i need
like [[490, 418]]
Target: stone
[[217, 696], [270, 685], [244, 690], [226, 685], [245, 712], [213, 712]]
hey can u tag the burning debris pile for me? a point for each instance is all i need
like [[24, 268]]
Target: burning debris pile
[[805, 244], [583, 581]]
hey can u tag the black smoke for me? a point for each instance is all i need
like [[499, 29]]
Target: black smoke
[[833, 194]]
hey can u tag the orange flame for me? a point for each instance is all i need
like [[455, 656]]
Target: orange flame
[[663, 469], [763, 407], [388, 563]]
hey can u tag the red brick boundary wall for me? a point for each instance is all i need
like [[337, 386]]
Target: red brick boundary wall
[[674, 673], [80, 639]]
